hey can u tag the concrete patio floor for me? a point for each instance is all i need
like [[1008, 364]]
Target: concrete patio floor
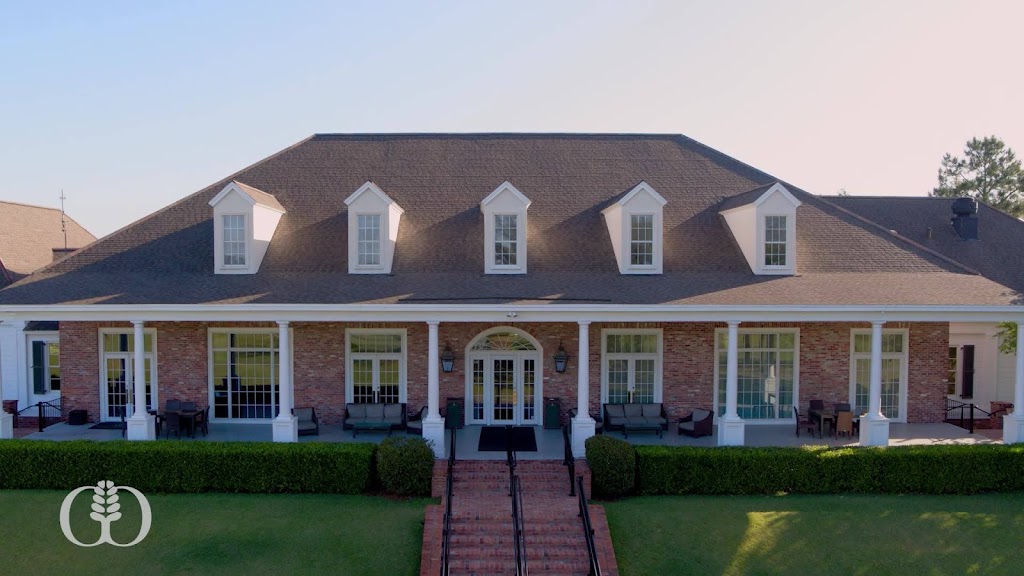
[[549, 442]]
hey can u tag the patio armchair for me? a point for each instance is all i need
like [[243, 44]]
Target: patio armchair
[[415, 422], [844, 423], [308, 422], [803, 422], [173, 404], [172, 423], [697, 423], [203, 421]]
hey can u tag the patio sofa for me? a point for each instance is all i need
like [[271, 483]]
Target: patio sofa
[[393, 414], [617, 416]]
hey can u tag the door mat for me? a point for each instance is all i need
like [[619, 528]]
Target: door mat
[[492, 439], [107, 426]]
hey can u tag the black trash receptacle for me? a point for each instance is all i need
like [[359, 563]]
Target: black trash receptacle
[[78, 417], [552, 412], [453, 414]]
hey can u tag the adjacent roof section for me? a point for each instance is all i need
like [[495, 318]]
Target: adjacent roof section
[[439, 180], [253, 195], [28, 235]]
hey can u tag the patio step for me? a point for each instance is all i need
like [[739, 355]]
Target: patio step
[[482, 540]]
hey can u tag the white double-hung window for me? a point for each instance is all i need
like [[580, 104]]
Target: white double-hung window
[[631, 366], [375, 366], [369, 239], [505, 212], [775, 241], [506, 240], [234, 240], [641, 243], [373, 220]]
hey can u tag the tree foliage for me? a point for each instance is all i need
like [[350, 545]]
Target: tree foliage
[[988, 172], [1008, 337]]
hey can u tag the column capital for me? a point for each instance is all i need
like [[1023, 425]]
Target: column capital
[[283, 323], [433, 322], [583, 323], [138, 323], [733, 323], [877, 323]]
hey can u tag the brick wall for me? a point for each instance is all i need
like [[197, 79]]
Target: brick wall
[[688, 363]]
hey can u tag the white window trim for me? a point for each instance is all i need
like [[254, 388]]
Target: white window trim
[[381, 233], [764, 243], [658, 358], [520, 264], [152, 356], [522, 235], [402, 356], [654, 266], [209, 367], [245, 238], [904, 367], [796, 369], [618, 221]]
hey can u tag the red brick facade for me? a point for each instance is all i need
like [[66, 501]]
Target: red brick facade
[[688, 362]]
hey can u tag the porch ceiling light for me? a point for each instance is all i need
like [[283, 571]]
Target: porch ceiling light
[[561, 359], [447, 359]]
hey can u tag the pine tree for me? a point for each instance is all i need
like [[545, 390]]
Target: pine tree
[[988, 171]]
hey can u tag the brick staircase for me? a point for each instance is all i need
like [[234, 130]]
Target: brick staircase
[[482, 538]]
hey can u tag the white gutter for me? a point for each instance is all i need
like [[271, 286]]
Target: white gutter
[[508, 313]]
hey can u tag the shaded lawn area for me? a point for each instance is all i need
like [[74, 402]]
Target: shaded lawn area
[[216, 534], [849, 535]]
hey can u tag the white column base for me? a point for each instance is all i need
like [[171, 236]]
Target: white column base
[[433, 432], [1013, 428], [141, 427], [874, 431], [583, 427], [731, 431], [6, 425], [286, 429]]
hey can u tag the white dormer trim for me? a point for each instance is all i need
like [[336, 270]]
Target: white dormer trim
[[370, 200], [505, 200], [260, 212], [642, 200], [748, 224]]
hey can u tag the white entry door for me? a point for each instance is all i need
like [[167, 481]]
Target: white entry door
[[504, 389], [116, 387]]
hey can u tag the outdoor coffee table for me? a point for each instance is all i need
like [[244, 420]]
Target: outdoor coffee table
[[637, 427], [364, 426]]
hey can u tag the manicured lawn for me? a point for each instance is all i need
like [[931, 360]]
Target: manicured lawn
[[849, 535], [225, 534]]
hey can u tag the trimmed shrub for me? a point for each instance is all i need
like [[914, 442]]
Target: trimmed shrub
[[898, 470], [261, 467], [405, 465], [612, 465]]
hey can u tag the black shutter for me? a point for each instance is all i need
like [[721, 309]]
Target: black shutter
[[39, 367], [967, 378]]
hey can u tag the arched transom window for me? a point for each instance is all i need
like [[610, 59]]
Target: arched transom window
[[504, 341]]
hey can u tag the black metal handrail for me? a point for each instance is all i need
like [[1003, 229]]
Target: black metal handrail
[[510, 457], [967, 407], [568, 460], [45, 412], [518, 528], [588, 528], [448, 493]]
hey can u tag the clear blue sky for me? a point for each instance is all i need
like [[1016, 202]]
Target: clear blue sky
[[129, 106]]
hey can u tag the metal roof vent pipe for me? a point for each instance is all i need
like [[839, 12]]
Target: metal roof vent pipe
[[965, 218]]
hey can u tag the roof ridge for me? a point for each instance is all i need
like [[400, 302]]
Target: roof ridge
[[152, 215], [441, 135], [897, 235], [27, 205]]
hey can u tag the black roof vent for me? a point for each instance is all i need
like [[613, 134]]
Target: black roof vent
[[965, 218]]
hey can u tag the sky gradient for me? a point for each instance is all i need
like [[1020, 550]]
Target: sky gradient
[[130, 106]]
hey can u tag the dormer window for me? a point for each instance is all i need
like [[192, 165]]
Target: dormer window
[[634, 225], [244, 221], [504, 212], [234, 240], [775, 245], [373, 219], [763, 222]]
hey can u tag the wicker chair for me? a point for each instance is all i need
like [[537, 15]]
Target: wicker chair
[[803, 422], [844, 423], [697, 423], [415, 423], [172, 423]]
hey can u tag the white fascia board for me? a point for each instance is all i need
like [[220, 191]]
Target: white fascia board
[[506, 185], [778, 189], [499, 313], [232, 188], [371, 187], [642, 186]]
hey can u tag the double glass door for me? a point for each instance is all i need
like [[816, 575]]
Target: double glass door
[[504, 389], [118, 375]]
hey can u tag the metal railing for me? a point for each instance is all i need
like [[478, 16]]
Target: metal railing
[[448, 493], [510, 458], [518, 529], [967, 412], [45, 413], [568, 460], [588, 528]]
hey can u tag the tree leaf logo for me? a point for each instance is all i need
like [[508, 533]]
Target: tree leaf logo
[[106, 509]]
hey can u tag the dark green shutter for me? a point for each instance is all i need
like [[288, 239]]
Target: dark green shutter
[[39, 367]]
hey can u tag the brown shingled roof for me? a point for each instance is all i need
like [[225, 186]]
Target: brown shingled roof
[[28, 235], [440, 179]]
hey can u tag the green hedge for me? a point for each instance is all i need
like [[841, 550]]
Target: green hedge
[[896, 470], [261, 467], [612, 465], [405, 465]]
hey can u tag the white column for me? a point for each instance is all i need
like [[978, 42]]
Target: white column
[[13, 371], [583, 426], [433, 424], [874, 430], [1013, 424], [286, 425], [731, 426], [141, 424]]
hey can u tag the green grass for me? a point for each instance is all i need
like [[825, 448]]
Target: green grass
[[821, 535], [220, 534]]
